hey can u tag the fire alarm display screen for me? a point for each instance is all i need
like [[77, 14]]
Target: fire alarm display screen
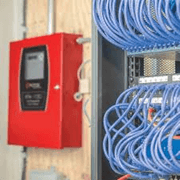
[[34, 78], [34, 65]]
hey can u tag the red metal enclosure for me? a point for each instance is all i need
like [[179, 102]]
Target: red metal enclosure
[[59, 125]]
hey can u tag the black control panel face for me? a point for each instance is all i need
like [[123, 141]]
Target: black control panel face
[[34, 78]]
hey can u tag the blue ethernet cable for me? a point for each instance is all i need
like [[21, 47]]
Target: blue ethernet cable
[[136, 25], [140, 152]]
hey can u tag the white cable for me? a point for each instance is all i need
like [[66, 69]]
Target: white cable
[[85, 111], [82, 84], [81, 68], [78, 96]]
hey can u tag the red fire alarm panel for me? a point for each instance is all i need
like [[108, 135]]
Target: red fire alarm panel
[[43, 80]]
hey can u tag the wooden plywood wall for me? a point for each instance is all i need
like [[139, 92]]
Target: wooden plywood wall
[[71, 16]]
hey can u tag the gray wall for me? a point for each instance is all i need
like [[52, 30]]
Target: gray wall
[[10, 20]]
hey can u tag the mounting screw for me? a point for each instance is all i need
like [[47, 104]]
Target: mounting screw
[[57, 87], [131, 79], [78, 96]]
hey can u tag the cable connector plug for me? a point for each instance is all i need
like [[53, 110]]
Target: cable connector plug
[[84, 86], [84, 82]]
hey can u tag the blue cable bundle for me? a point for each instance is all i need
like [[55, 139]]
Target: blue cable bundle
[[138, 149], [137, 25]]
